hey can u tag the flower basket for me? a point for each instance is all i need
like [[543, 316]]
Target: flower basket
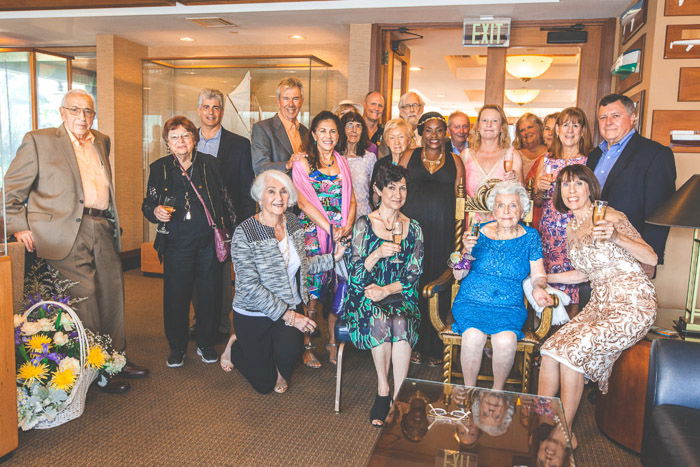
[[74, 405]]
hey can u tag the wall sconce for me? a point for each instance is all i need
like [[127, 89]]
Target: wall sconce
[[527, 67], [522, 96]]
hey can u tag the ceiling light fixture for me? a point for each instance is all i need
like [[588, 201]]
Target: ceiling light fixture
[[416, 68], [522, 96], [186, 39], [527, 67], [297, 37]]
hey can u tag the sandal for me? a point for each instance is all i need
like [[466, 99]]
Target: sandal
[[310, 359], [379, 411], [416, 358], [281, 387], [332, 353]]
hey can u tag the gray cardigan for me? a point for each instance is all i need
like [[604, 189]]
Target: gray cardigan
[[261, 276]]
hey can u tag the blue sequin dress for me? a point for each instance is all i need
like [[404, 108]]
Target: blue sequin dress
[[490, 298]]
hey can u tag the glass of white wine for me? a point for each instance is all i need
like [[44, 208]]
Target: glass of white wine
[[168, 205], [599, 207], [397, 237]]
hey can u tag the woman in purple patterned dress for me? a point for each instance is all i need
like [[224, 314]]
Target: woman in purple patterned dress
[[571, 144]]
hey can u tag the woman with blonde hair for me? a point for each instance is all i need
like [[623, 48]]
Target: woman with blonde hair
[[529, 140], [489, 150], [396, 140]]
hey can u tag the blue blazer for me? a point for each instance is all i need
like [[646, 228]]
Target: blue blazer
[[643, 178]]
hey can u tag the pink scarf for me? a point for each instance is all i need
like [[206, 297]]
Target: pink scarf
[[303, 184]]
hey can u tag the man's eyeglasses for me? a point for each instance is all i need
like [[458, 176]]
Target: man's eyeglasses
[[77, 111], [411, 106], [215, 108], [184, 136]]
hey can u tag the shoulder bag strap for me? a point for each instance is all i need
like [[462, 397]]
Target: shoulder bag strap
[[201, 200]]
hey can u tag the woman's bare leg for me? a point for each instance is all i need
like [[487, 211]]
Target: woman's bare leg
[[503, 344], [473, 342]]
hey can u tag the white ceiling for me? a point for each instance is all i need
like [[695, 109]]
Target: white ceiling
[[271, 23]]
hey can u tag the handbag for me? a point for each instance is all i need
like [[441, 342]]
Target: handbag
[[222, 236]]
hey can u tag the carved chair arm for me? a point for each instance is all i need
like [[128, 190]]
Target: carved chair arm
[[546, 319], [431, 291]]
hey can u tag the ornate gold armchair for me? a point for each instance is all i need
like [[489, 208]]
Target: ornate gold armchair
[[465, 207]]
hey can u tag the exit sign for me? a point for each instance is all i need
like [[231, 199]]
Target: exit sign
[[491, 32]]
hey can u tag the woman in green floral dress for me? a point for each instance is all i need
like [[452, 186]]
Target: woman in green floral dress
[[381, 307]]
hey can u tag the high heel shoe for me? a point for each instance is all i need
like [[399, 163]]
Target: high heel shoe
[[379, 411]]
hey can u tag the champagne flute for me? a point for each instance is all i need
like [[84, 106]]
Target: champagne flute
[[168, 205], [397, 237], [548, 175], [599, 207], [473, 228], [508, 161]]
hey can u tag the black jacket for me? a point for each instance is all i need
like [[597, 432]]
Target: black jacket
[[643, 177], [213, 191], [237, 171]]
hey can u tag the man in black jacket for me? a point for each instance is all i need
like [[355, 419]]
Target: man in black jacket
[[636, 174], [234, 153]]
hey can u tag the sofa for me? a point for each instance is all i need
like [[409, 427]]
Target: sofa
[[672, 420]]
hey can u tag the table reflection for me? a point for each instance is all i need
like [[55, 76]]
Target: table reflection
[[433, 423]]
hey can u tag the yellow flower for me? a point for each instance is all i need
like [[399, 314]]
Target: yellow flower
[[36, 342], [96, 357], [31, 372], [63, 379]]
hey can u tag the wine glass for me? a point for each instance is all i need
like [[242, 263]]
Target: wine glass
[[168, 205], [397, 237], [599, 207], [508, 161], [473, 229]]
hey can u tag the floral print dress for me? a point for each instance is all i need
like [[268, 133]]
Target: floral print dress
[[328, 188], [372, 323], [552, 228]]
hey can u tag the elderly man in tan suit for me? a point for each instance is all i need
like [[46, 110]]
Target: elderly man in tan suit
[[60, 203]]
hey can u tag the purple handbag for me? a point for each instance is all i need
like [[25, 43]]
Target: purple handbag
[[222, 237]]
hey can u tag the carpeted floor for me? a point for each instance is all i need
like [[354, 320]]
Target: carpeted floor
[[199, 415]]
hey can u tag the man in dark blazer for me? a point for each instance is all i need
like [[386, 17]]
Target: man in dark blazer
[[277, 142], [636, 174], [234, 153], [61, 204], [231, 149]]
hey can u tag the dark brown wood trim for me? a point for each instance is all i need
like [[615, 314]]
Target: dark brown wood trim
[[495, 85], [375, 61]]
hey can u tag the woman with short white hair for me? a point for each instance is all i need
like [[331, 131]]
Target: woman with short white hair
[[490, 299], [270, 264]]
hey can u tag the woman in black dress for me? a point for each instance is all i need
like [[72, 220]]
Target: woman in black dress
[[433, 174]]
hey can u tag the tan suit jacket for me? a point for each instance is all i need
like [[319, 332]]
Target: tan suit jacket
[[44, 192]]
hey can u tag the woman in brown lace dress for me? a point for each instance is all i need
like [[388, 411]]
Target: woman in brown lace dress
[[623, 299]]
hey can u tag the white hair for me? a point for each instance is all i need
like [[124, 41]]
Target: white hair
[[493, 430], [207, 93], [76, 92], [259, 185], [402, 99], [509, 187]]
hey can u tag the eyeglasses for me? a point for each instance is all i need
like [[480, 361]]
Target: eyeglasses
[[411, 106], [77, 111], [441, 414], [215, 108], [353, 125], [184, 136]]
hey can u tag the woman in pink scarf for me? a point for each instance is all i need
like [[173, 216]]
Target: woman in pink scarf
[[327, 204]]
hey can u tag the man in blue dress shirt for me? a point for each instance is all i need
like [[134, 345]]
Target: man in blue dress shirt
[[636, 174]]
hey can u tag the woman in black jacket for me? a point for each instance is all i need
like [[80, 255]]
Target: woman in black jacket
[[185, 239]]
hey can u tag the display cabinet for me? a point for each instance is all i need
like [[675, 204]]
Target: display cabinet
[[171, 87]]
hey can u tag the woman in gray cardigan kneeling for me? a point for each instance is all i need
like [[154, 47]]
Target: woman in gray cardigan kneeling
[[270, 264]]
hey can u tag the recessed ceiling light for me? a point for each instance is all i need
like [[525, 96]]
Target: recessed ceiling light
[[186, 39], [297, 37], [416, 68], [439, 95]]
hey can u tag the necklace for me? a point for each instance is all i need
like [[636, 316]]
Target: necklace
[[576, 224], [391, 223], [327, 165], [433, 164], [513, 231]]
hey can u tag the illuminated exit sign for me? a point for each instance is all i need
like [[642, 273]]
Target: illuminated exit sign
[[486, 32]]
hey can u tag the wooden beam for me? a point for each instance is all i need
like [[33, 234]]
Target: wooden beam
[[496, 75], [8, 388]]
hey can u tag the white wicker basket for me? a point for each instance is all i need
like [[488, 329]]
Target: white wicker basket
[[75, 404]]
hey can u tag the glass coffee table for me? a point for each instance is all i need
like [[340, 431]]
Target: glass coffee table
[[433, 423]]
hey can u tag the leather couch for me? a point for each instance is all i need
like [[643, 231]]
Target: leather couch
[[672, 420]]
